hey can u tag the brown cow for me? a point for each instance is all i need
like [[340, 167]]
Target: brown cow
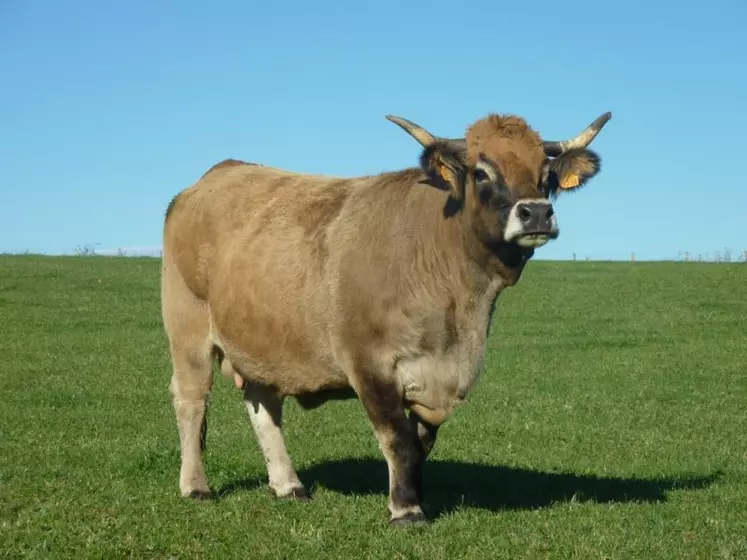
[[380, 288]]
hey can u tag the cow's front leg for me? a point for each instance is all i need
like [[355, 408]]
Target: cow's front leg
[[400, 446], [426, 435]]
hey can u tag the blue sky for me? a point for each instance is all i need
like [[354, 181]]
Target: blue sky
[[107, 109]]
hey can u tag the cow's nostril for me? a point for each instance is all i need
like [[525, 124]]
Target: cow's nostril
[[525, 214], [550, 212]]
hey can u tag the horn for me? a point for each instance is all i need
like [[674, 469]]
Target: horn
[[423, 136], [554, 149], [420, 134]]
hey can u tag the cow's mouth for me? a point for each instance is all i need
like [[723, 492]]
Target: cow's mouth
[[534, 239]]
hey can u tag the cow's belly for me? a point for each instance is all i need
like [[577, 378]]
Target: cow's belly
[[276, 354], [268, 312]]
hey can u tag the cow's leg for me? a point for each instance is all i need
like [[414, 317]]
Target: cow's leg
[[186, 320], [266, 413], [190, 387], [426, 434], [399, 444]]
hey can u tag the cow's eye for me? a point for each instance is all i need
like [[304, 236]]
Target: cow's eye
[[480, 175]]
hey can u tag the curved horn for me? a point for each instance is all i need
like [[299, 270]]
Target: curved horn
[[423, 136], [554, 149], [420, 134]]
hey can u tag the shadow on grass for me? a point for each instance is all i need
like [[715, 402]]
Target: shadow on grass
[[450, 484]]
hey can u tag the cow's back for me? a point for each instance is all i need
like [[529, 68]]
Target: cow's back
[[236, 200]]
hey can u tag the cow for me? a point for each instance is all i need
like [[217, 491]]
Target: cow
[[380, 288]]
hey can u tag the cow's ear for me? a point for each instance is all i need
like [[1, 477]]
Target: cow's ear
[[570, 171], [445, 167]]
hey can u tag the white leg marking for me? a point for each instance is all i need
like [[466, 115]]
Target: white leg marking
[[265, 412]]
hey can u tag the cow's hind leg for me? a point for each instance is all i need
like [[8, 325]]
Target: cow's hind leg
[[190, 386], [265, 408], [186, 321]]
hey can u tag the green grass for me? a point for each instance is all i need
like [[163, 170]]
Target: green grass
[[611, 422]]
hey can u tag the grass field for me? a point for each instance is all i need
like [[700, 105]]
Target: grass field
[[611, 422]]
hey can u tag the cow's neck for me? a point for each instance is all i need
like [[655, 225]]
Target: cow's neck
[[502, 262], [454, 311]]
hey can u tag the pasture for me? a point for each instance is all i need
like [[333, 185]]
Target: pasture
[[610, 422]]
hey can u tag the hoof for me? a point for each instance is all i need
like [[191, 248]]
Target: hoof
[[299, 494], [201, 495], [409, 520]]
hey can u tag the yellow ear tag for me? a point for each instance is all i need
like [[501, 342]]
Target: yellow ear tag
[[445, 172], [569, 181]]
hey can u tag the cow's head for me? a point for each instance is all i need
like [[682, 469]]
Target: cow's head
[[503, 175]]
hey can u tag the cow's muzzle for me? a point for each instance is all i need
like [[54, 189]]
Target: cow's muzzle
[[531, 223]]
